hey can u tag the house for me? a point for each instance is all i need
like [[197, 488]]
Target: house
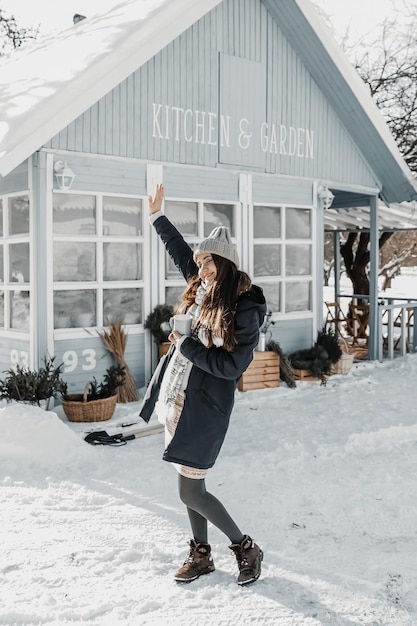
[[246, 110]]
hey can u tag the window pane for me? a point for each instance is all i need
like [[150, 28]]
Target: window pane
[[75, 308], [272, 295], [173, 295], [171, 270], [297, 297], [183, 215], [218, 215], [18, 215], [74, 261], [122, 304], [2, 309], [1, 265], [19, 263], [267, 260], [122, 216], [19, 310], [122, 261], [267, 222], [298, 224], [74, 215], [1, 218], [298, 260]]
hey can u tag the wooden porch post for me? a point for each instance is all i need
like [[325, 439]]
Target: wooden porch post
[[336, 254], [373, 280]]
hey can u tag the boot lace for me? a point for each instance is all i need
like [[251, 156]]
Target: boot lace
[[242, 560], [190, 557]]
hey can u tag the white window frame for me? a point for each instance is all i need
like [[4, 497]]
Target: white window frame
[[282, 280], [196, 239], [99, 285], [8, 286]]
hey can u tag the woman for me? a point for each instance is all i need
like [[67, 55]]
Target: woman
[[193, 388]]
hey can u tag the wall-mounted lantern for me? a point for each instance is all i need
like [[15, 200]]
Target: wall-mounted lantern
[[325, 196], [64, 175]]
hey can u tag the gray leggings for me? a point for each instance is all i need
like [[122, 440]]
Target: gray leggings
[[202, 507]]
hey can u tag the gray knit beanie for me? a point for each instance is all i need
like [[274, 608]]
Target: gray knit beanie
[[219, 242]]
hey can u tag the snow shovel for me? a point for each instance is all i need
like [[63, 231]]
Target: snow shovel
[[101, 438]]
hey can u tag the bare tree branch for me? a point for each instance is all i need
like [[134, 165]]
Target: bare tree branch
[[11, 35]]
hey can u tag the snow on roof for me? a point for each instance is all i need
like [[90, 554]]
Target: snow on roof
[[45, 86]]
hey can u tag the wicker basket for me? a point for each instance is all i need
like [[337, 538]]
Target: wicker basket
[[344, 364], [78, 409]]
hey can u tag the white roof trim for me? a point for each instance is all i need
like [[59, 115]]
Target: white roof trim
[[54, 69], [355, 83]]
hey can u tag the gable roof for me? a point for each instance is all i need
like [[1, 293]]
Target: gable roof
[[44, 87], [349, 96]]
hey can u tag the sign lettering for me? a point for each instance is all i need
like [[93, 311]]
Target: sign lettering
[[172, 123]]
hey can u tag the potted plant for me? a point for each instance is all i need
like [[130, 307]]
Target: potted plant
[[98, 401], [157, 323], [316, 363], [33, 386]]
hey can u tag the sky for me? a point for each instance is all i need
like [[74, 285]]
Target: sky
[[362, 16], [322, 477]]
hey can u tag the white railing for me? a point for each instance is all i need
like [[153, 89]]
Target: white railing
[[396, 327], [397, 330]]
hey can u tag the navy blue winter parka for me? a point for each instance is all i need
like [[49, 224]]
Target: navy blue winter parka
[[210, 392]]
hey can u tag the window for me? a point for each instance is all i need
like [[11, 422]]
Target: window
[[15, 262], [195, 221], [282, 257], [98, 260], [18, 215]]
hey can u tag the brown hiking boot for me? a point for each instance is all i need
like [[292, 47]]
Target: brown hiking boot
[[249, 557], [198, 562]]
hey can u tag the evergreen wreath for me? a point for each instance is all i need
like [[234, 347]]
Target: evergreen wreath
[[161, 314]]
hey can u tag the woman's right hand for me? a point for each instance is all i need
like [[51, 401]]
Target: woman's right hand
[[155, 204]]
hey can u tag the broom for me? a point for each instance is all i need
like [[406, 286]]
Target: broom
[[115, 340]]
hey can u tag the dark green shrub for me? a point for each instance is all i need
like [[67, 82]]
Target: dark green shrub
[[27, 385]]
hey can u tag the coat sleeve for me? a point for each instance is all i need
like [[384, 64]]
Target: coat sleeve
[[220, 362], [177, 248]]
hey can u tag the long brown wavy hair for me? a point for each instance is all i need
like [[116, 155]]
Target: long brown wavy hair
[[219, 303]]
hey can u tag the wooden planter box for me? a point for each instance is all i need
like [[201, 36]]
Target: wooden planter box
[[305, 375], [163, 348], [262, 373]]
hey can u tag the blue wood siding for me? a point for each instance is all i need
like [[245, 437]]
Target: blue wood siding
[[201, 184], [134, 357], [94, 174], [273, 189], [17, 180], [236, 56], [293, 335], [19, 347]]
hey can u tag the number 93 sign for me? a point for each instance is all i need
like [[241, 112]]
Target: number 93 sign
[[86, 361]]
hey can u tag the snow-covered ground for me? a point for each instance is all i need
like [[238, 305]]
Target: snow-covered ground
[[324, 478]]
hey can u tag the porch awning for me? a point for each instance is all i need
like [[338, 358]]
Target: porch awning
[[396, 216]]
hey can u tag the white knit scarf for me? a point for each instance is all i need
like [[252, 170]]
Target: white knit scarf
[[178, 371]]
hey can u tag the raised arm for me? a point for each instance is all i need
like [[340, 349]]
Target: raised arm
[[176, 246], [155, 204]]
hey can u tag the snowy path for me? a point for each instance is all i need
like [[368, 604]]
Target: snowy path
[[323, 477]]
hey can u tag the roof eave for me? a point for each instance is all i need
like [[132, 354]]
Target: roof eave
[[157, 31]]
